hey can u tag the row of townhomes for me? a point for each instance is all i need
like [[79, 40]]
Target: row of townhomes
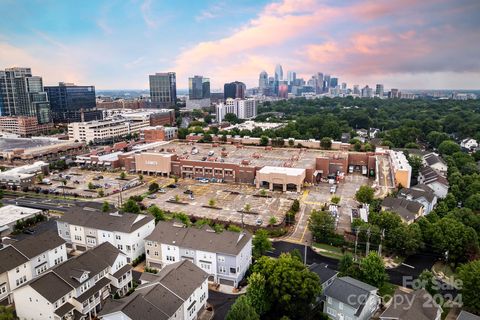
[[224, 256], [86, 229], [24, 260], [83, 269]]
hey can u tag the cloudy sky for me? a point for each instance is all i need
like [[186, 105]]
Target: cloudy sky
[[115, 44]]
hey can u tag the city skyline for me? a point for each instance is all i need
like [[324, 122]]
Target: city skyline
[[401, 44]]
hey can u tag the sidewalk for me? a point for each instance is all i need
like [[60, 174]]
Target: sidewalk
[[227, 289]]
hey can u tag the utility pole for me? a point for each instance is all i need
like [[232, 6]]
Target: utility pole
[[368, 242], [243, 227], [381, 241], [357, 231], [305, 255]]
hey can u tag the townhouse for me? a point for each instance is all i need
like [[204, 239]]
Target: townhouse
[[434, 180], [435, 162], [85, 229], [24, 260], [422, 194], [408, 210], [412, 305], [225, 256], [349, 299], [179, 291], [77, 288]]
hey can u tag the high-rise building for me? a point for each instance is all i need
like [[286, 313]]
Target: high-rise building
[[367, 92], [263, 82], [394, 93], [198, 88], [278, 73], [242, 108], [71, 103], [333, 82], [317, 82], [379, 90], [234, 90], [356, 89], [22, 94], [326, 82], [163, 89], [283, 90], [291, 77]]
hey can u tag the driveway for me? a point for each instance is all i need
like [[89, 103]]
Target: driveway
[[221, 303]]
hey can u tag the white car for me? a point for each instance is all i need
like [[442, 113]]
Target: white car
[[204, 181], [259, 222]]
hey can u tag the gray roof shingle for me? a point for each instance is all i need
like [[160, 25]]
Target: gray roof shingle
[[226, 242], [51, 286], [125, 222], [417, 192], [405, 208], [464, 315], [10, 258], [37, 244], [417, 305], [323, 271], [343, 288]]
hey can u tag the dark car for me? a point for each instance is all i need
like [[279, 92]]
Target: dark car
[[172, 186], [188, 192], [29, 231]]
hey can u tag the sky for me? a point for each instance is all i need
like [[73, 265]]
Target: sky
[[116, 44]]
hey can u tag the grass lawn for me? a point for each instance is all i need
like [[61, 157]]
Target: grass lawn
[[329, 251]]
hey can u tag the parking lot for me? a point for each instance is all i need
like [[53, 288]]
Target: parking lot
[[229, 198], [78, 181]]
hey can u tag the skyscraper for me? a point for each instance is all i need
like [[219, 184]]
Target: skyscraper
[[318, 82], [278, 73], [22, 94], [326, 82], [234, 90], [71, 103], [379, 90], [356, 89], [291, 77], [333, 82], [263, 82], [163, 89], [198, 88]]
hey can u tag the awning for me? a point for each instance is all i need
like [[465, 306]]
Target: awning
[[317, 172]]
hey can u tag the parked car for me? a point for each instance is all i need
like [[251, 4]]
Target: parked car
[[152, 196], [173, 186], [161, 190], [204, 181], [188, 192], [333, 189], [259, 222], [29, 231]]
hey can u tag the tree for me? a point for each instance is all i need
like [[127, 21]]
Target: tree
[[448, 147], [231, 117], [7, 313], [473, 202], [247, 207], [157, 213], [105, 206], [123, 175], [322, 225], [272, 220], [428, 282], [207, 138], [291, 286], [257, 293], [264, 140], [404, 239], [291, 142], [346, 264], [372, 270], [91, 186], [242, 309], [212, 202], [335, 199], [326, 143], [182, 133], [416, 163], [470, 275], [357, 146], [234, 228], [208, 119], [365, 194], [131, 206], [153, 187], [261, 243], [140, 177], [101, 193]]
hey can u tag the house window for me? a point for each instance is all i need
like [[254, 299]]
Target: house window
[[232, 270], [332, 312], [221, 259], [118, 237], [222, 269]]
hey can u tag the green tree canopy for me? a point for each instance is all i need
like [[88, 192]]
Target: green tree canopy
[[365, 194], [470, 275], [131, 206], [448, 147], [322, 225], [372, 270], [242, 309], [261, 243]]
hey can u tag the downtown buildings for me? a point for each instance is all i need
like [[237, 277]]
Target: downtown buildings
[[198, 93], [163, 89], [242, 108], [71, 103], [23, 94], [234, 90]]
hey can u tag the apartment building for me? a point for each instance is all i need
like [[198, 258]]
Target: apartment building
[[22, 261], [401, 168], [23, 176], [24, 126], [177, 292], [77, 288], [225, 256], [105, 130], [86, 229], [242, 108], [158, 133]]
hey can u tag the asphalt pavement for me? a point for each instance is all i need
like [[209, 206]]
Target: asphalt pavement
[[221, 303]]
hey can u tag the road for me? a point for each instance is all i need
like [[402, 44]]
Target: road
[[221, 303], [401, 275]]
